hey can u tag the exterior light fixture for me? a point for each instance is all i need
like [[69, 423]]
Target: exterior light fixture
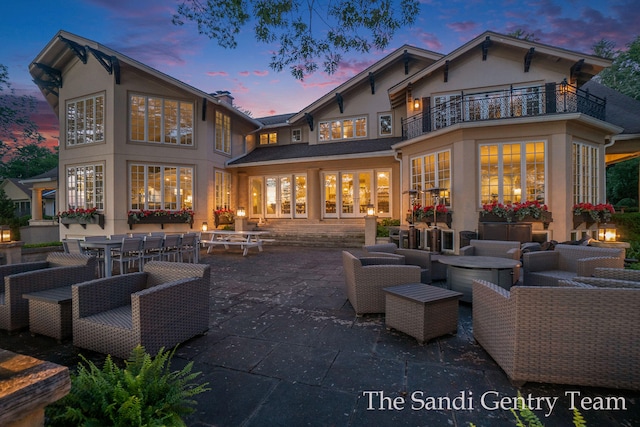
[[5, 233], [370, 210], [241, 212], [416, 104], [607, 233], [205, 226]]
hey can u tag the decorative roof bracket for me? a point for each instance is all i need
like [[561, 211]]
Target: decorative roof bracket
[[527, 59], [110, 63], [576, 68], [204, 109], [485, 47], [49, 86], [405, 57], [309, 119], [372, 83], [340, 102], [77, 48], [446, 71], [55, 76]]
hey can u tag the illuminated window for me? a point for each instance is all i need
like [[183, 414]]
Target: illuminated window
[[223, 133], [223, 190], [161, 187], [342, 129], [268, 138], [85, 187], [160, 120], [585, 170], [432, 171], [85, 120], [512, 172]]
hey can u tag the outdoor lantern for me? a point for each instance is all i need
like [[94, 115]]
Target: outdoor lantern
[[370, 210], [416, 104], [607, 233], [6, 233], [205, 226], [241, 212]]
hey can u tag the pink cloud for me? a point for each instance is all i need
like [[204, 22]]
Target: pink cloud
[[217, 73], [463, 26], [261, 73], [244, 73]]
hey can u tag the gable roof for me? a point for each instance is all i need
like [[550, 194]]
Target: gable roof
[[50, 175], [305, 152], [18, 185], [387, 61], [589, 65], [66, 47]]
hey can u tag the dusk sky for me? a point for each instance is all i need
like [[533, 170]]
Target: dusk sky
[[142, 30]]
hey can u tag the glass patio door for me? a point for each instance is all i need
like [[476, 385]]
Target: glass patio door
[[278, 196]]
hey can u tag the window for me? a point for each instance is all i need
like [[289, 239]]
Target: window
[[256, 197], [296, 135], [585, 164], [160, 120], [85, 187], [432, 171], [161, 187], [343, 129], [268, 138], [223, 132], [85, 120], [223, 190], [349, 193], [512, 172], [385, 125], [281, 193]]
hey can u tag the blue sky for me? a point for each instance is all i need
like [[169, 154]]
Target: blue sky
[[142, 29]]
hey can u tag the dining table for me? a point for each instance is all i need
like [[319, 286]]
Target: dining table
[[105, 246]]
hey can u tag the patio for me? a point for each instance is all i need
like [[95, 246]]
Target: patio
[[285, 348]]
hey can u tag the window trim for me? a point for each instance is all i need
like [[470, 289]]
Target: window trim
[[162, 136], [330, 126], [586, 189], [163, 203], [225, 132], [94, 118], [423, 192], [98, 197], [271, 137], [380, 128]]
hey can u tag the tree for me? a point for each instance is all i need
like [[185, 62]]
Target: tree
[[622, 181], [305, 32], [29, 160], [521, 34], [624, 73], [7, 207]]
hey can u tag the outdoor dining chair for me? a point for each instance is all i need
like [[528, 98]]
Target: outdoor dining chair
[[129, 254]]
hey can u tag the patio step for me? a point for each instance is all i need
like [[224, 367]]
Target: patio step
[[320, 234]]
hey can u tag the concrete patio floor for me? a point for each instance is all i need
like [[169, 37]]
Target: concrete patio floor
[[286, 349]]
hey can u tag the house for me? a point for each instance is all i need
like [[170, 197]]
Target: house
[[19, 194], [498, 119], [43, 190]]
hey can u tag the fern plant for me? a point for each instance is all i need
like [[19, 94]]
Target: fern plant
[[144, 393]]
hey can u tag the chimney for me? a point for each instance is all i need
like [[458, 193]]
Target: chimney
[[224, 96]]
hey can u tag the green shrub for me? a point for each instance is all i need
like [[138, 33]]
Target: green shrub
[[144, 393], [382, 227]]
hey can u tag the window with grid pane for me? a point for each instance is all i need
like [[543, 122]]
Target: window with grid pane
[[585, 166], [85, 120], [160, 120], [160, 187], [85, 187]]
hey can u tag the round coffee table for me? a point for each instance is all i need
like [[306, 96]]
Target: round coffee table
[[462, 270]]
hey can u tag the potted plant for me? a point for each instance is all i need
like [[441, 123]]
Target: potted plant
[[590, 213], [528, 211], [81, 216], [428, 214], [495, 212], [160, 216], [145, 392]]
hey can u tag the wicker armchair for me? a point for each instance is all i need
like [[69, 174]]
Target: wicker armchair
[[60, 269], [617, 274], [410, 256], [563, 335], [162, 306], [365, 278], [546, 268]]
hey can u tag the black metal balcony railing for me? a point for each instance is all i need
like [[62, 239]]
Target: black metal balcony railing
[[552, 98]]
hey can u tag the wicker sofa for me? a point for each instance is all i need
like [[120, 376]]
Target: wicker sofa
[[560, 334], [58, 270], [410, 256], [162, 306], [365, 277], [546, 268]]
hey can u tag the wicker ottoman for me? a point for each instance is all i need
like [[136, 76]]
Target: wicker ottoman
[[422, 311], [50, 312]]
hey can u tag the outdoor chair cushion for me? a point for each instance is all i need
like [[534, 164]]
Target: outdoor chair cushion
[[410, 256]]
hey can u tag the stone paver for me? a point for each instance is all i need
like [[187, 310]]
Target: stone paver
[[286, 349]]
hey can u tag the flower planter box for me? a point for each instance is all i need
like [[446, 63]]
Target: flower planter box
[[441, 218], [222, 220], [586, 218], [159, 219], [545, 218], [95, 219]]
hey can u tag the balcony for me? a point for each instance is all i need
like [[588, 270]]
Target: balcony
[[548, 99]]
